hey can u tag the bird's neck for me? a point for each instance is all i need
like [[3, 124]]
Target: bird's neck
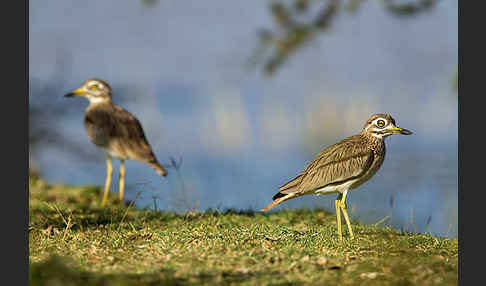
[[373, 141], [104, 100], [99, 105]]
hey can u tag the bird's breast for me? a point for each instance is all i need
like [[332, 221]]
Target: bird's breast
[[379, 157], [97, 124]]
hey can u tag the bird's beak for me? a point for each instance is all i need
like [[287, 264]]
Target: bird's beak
[[76, 92], [403, 131]]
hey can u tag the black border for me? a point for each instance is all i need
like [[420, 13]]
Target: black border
[[25, 104], [14, 163], [471, 162]]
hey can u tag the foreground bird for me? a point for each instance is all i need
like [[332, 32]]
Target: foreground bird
[[343, 166], [116, 131]]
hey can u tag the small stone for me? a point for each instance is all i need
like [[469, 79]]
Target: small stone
[[322, 260], [370, 275]]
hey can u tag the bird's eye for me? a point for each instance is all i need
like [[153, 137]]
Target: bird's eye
[[380, 123], [93, 87]]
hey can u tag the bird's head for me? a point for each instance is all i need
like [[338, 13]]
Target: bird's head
[[381, 126], [96, 90]]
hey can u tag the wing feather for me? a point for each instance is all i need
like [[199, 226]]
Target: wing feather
[[340, 162], [116, 128]]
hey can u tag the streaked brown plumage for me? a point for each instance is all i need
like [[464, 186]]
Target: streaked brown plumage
[[112, 127], [343, 166], [115, 130]]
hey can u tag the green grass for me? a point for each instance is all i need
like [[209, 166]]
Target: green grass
[[73, 241]]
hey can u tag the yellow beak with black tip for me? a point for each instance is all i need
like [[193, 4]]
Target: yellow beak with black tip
[[403, 131], [76, 92]]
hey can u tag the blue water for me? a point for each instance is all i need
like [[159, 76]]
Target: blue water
[[181, 68]]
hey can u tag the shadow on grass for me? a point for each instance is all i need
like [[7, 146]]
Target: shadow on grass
[[55, 271]]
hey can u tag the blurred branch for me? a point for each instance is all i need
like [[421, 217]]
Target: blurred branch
[[150, 3], [353, 5], [410, 8], [40, 107], [44, 112], [291, 32], [297, 22]]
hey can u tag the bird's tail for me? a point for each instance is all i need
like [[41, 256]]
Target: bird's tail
[[158, 168], [277, 199]]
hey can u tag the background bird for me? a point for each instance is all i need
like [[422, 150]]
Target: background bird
[[343, 166], [116, 131]]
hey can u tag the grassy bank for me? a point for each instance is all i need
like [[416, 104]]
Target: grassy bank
[[72, 241]]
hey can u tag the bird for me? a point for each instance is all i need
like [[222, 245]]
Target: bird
[[343, 166], [114, 130]]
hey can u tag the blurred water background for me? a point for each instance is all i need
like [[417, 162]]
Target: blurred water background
[[246, 97]]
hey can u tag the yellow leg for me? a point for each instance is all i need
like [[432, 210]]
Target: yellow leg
[[122, 179], [109, 171], [345, 213], [338, 216]]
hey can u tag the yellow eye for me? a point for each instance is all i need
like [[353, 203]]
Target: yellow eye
[[93, 87], [380, 123]]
